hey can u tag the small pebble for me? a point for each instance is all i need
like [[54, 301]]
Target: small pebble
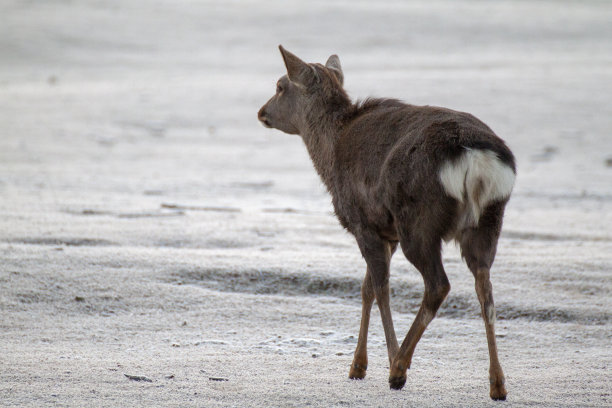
[[138, 378]]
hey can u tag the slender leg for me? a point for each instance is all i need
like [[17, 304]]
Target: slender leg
[[436, 289], [377, 253], [360, 360], [382, 298], [485, 296], [478, 247], [380, 285], [381, 292]]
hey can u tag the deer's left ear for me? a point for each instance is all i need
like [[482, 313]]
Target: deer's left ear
[[297, 70], [333, 64]]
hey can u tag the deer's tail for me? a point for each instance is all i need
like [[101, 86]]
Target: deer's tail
[[475, 179]]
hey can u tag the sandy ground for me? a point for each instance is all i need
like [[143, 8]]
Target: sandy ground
[[149, 226]]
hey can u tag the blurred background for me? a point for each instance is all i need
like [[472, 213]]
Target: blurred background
[[155, 96]]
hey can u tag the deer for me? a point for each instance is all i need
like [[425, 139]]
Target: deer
[[407, 175]]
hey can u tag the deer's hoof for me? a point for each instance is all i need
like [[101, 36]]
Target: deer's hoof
[[357, 371], [397, 375], [499, 395], [498, 391], [397, 383]]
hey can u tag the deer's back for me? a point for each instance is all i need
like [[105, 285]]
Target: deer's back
[[391, 148], [386, 127]]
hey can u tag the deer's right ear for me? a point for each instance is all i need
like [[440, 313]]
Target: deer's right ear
[[333, 63], [297, 70]]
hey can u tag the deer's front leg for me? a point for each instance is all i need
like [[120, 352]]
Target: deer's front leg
[[360, 360], [377, 254]]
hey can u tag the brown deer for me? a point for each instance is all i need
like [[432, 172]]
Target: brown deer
[[406, 174]]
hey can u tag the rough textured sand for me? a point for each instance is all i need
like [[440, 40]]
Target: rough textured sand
[[150, 227]]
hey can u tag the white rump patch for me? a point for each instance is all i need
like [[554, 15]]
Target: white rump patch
[[476, 179]]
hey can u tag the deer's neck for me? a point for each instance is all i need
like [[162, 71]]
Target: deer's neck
[[320, 137]]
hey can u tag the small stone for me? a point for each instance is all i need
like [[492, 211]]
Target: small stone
[[138, 378]]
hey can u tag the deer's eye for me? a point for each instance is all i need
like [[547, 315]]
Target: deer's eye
[[279, 88]]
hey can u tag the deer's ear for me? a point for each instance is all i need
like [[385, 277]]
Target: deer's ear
[[297, 70], [333, 64]]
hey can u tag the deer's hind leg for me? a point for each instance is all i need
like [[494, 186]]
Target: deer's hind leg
[[478, 247], [428, 260]]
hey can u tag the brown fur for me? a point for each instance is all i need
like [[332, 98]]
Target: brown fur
[[380, 159]]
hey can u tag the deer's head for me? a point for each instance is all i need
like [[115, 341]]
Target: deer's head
[[306, 89]]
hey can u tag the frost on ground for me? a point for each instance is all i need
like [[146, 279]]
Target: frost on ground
[[161, 248]]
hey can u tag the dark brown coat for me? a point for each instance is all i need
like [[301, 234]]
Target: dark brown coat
[[399, 173]]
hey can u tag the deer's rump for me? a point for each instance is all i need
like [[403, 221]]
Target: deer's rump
[[431, 155]]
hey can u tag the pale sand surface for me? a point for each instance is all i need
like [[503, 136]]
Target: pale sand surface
[[149, 226]]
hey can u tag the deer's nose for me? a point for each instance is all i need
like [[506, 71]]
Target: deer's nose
[[261, 113], [262, 116]]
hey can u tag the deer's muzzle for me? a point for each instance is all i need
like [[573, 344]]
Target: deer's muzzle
[[263, 118]]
